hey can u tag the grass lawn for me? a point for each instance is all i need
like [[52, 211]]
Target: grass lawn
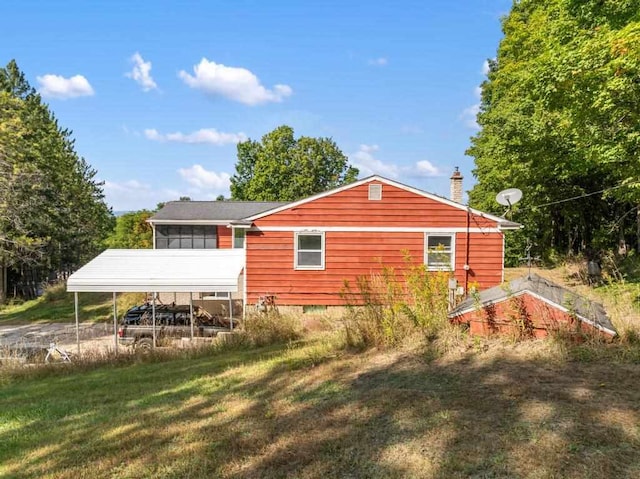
[[57, 306], [312, 409]]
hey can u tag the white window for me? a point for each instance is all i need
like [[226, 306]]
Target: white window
[[215, 295], [309, 250], [440, 252], [238, 237]]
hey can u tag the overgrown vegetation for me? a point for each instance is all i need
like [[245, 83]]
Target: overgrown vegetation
[[385, 308], [260, 329]]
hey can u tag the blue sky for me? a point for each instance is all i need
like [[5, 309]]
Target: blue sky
[[158, 93]]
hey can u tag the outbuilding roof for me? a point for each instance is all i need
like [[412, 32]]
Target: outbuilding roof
[[211, 211], [586, 310], [160, 270]]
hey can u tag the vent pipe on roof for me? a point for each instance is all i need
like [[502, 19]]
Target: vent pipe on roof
[[456, 186]]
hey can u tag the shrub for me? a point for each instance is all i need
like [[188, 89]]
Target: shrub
[[55, 292], [271, 327]]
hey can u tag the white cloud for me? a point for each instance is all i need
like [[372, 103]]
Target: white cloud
[[235, 83], [378, 62], [426, 168], [368, 164], [133, 195], [141, 73], [56, 86], [204, 179], [125, 186], [485, 68], [469, 115], [206, 135]]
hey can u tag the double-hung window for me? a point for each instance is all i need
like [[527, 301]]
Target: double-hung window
[[439, 252], [309, 250]]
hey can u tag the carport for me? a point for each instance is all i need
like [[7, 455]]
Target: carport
[[158, 271]]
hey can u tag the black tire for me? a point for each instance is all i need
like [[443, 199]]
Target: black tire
[[144, 345]]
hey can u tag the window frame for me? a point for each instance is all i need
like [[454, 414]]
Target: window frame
[[242, 237], [186, 236], [452, 252], [297, 250], [215, 295]]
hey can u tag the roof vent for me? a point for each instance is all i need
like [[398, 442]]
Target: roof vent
[[375, 191]]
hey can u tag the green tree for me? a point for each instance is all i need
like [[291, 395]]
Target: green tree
[[559, 118], [53, 210], [132, 231], [283, 168]]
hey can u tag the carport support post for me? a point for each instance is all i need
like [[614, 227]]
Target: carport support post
[[115, 322], [75, 305], [191, 313], [153, 316]]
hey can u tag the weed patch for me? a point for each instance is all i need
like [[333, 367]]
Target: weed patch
[[385, 308]]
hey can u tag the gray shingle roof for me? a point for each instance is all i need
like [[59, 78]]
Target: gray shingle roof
[[583, 308], [212, 210]]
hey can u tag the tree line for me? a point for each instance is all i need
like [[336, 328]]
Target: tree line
[[560, 119], [53, 217]]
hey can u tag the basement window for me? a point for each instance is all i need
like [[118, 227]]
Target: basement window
[[440, 252], [375, 192], [309, 250]]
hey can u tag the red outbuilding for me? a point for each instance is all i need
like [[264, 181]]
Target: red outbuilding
[[531, 306]]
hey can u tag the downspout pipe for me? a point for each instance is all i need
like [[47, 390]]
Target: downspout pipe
[[466, 259]]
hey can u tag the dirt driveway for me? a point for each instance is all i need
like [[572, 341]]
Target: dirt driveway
[[92, 336]]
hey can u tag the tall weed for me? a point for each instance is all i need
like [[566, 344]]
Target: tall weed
[[385, 307], [261, 329]]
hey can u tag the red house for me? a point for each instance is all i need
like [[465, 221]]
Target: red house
[[302, 252], [224, 255]]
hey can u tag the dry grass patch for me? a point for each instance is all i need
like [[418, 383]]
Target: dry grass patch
[[312, 409]]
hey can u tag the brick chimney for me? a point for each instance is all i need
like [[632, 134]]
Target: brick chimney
[[456, 186]]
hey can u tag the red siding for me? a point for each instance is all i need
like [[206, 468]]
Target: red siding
[[225, 238], [348, 254], [352, 207], [503, 318]]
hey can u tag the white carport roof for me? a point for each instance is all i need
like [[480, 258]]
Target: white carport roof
[[160, 270]]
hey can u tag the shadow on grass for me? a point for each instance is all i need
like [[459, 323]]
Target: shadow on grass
[[300, 412]]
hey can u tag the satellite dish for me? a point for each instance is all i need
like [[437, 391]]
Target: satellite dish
[[509, 197]]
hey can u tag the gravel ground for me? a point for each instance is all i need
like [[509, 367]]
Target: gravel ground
[[93, 337]]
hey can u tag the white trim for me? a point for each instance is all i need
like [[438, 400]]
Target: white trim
[[502, 280], [451, 235], [375, 229], [543, 299], [381, 179], [190, 222], [298, 267]]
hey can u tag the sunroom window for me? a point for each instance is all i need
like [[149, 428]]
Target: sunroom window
[[309, 250], [439, 252]]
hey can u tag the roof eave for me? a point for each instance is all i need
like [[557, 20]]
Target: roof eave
[[189, 222]]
